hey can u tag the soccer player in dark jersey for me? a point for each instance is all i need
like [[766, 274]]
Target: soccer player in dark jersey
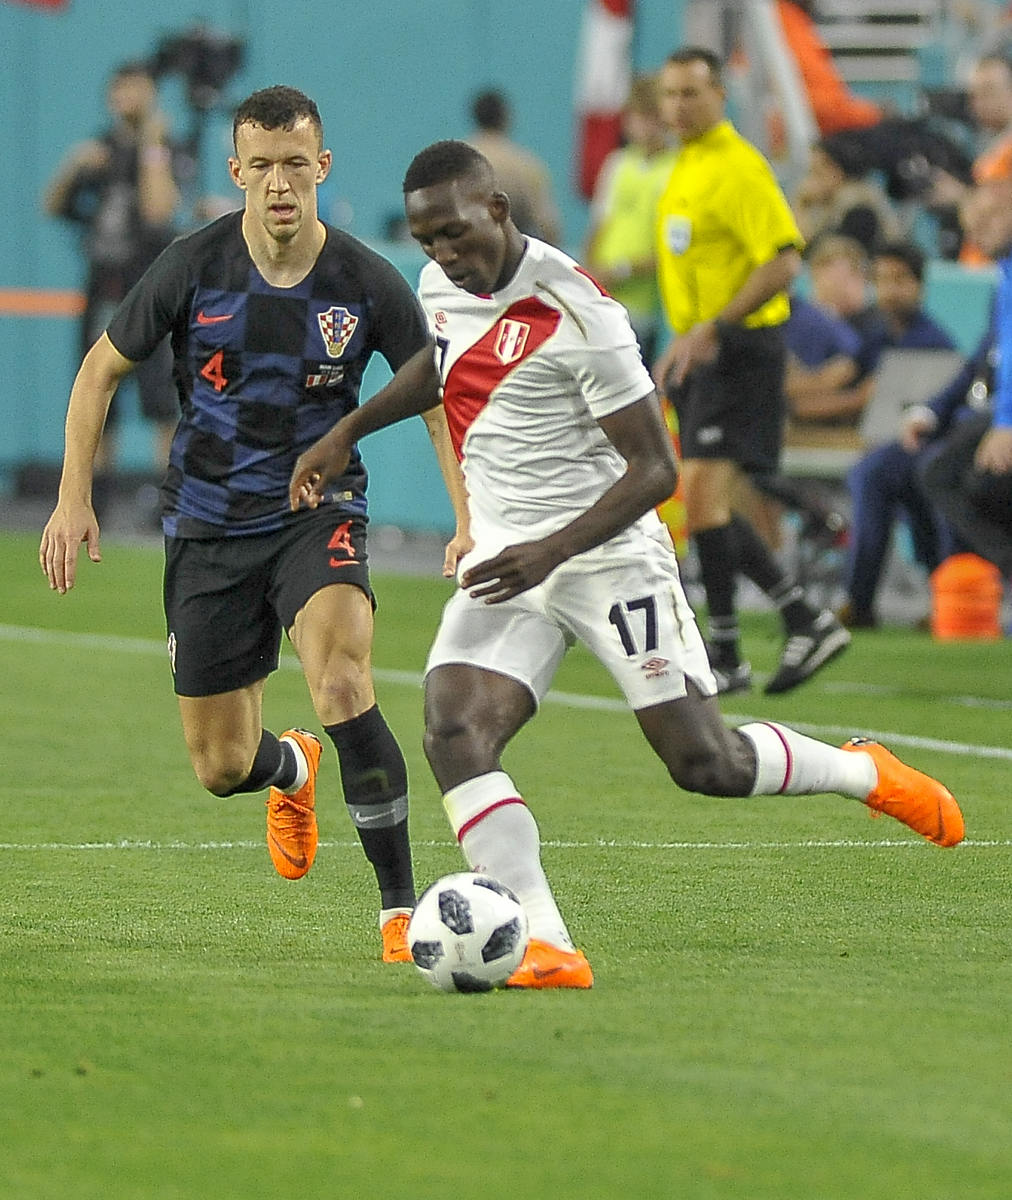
[[273, 316]]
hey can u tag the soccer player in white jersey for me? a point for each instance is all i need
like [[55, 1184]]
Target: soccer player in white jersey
[[564, 454]]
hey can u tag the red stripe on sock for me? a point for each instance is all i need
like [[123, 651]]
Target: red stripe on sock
[[790, 758], [468, 825]]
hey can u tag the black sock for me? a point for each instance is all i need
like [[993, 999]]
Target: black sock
[[274, 765], [759, 565], [718, 565], [375, 782]]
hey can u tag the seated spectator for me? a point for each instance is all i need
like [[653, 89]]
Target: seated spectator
[[969, 478], [989, 97], [840, 279], [838, 195], [620, 244], [822, 351], [886, 482]]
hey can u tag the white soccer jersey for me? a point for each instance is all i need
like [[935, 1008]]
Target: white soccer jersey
[[526, 372]]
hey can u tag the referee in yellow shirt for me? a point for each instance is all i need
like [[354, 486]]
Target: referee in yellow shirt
[[728, 249]]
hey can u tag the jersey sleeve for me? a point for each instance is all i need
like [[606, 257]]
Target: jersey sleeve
[[399, 324], [754, 206], [153, 305], [598, 346]]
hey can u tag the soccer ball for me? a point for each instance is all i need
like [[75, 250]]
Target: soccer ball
[[468, 933]]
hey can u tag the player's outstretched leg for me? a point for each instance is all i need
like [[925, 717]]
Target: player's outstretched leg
[[910, 796], [375, 782], [499, 837], [789, 763], [292, 833]]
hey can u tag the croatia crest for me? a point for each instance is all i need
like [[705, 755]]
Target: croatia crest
[[511, 338], [337, 325]]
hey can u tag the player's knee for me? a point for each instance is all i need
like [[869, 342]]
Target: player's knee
[[451, 736], [221, 773]]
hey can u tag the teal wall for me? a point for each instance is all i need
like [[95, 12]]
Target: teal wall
[[389, 77]]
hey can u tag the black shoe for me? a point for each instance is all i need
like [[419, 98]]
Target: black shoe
[[806, 652], [737, 678], [852, 618]]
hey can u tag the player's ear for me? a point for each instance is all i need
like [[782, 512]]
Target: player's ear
[[499, 207], [323, 165], [235, 171]]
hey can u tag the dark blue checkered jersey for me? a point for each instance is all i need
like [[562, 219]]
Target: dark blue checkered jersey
[[262, 371]]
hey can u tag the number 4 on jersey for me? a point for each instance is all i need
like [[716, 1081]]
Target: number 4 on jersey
[[213, 371]]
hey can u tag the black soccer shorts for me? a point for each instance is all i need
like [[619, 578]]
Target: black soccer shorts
[[227, 600], [734, 407]]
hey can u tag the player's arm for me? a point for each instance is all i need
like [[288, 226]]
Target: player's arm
[[453, 478], [413, 390], [639, 434], [73, 520], [700, 343]]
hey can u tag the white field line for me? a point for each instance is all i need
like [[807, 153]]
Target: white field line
[[599, 844], [148, 646]]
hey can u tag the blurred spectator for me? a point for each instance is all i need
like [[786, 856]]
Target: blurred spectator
[[840, 277], [834, 105], [620, 249], [886, 482], [970, 477], [520, 174], [989, 95], [838, 195], [120, 187]]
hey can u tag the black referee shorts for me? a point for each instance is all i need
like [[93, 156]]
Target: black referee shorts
[[227, 600], [734, 407]]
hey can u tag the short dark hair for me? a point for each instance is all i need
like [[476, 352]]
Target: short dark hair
[[277, 107], [445, 161], [489, 110], [905, 252], [135, 66], [690, 54]]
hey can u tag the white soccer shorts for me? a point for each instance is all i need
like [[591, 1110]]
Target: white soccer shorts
[[624, 601]]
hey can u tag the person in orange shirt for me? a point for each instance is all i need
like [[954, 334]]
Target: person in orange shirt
[[834, 106]]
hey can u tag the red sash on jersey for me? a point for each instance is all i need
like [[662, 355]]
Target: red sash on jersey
[[522, 329]]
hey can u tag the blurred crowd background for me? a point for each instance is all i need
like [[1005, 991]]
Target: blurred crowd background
[[876, 114]]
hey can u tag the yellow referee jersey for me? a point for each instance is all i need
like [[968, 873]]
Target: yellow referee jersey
[[721, 215]]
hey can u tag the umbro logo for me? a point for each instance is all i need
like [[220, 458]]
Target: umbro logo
[[204, 319]]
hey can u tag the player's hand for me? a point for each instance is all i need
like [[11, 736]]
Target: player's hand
[[994, 453], [510, 572], [65, 530], [315, 468], [459, 545]]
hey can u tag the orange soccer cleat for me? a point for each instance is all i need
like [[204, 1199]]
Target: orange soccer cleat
[[395, 938], [926, 805], [548, 966], [292, 833]]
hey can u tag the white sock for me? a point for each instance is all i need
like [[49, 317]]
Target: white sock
[[791, 764], [499, 837], [302, 767], [387, 913]]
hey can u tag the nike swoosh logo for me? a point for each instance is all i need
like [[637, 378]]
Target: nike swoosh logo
[[343, 562], [204, 319], [545, 972], [297, 860]]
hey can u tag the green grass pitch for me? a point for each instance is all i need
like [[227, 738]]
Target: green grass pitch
[[791, 1000]]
